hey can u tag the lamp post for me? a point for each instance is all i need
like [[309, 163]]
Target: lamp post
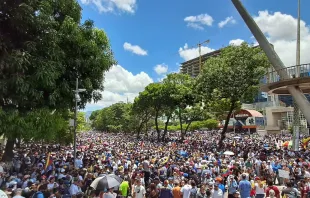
[[296, 117], [77, 99]]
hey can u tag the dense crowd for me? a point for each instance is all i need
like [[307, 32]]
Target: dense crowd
[[246, 166]]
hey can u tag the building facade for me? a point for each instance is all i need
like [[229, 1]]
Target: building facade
[[276, 110]]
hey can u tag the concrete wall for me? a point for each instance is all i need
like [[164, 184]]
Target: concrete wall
[[274, 117]]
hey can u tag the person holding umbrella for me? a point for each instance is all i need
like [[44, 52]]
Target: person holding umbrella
[[110, 194]]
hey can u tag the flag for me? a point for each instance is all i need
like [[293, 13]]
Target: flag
[[226, 173], [49, 163], [91, 169], [305, 142]]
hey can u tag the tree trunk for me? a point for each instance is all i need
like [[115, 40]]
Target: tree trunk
[[146, 129], [180, 120], [166, 127], [223, 133], [185, 131], [8, 151], [139, 130], [156, 125]]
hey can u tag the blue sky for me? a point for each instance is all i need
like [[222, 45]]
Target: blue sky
[[147, 34]]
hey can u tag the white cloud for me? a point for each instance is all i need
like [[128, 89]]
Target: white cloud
[[121, 85], [199, 21], [236, 42], [281, 32], [228, 20], [195, 26], [136, 49], [161, 69], [113, 5], [190, 53]]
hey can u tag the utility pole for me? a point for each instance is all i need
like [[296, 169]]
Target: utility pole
[[77, 99], [296, 116], [75, 117], [199, 49]]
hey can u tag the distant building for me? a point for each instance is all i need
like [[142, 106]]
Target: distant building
[[275, 109], [192, 67]]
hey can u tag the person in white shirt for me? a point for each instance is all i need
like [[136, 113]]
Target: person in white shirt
[[139, 191], [217, 192], [18, 193], [186, 190]]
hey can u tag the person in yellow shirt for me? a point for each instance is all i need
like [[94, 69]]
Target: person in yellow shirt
[[124, 188]]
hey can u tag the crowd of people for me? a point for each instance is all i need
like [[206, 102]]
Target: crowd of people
[[246, 166]]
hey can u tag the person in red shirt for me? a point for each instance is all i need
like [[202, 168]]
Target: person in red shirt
[[272, 187]]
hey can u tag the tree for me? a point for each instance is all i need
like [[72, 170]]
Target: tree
[[141, 112], [38, 125], [43, 49], [116, 118], [180, 88], [82, 125], [156, 95], [191, 114], [232, 76]]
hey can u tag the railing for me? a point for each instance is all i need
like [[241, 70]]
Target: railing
[[303, 71], [262, 105]]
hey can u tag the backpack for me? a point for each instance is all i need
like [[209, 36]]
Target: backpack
[[66, 193], [193, 192], [35, 195]]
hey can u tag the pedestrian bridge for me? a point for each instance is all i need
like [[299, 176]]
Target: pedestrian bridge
[[298, 75]]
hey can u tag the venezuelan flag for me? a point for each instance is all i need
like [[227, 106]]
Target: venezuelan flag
[[49, 163], [305, 142]]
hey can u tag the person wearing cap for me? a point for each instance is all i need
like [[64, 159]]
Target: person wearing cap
[[232, 186], [217, 192], [244, 187], [236, 194]]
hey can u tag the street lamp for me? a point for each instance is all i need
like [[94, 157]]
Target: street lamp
[[77, 99], [296, 116]]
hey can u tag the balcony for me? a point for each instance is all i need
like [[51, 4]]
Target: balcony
[[298, 75]]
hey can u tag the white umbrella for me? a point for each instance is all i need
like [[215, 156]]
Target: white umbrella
[[3, 194], [105, 182], [228, 153], [237, 137]]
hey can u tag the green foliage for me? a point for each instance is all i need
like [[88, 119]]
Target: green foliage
[[40, 125], [234, 74], [43, 48], [141, 112], [116, 118], [82, 125], [231, 78], [196, 125]]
